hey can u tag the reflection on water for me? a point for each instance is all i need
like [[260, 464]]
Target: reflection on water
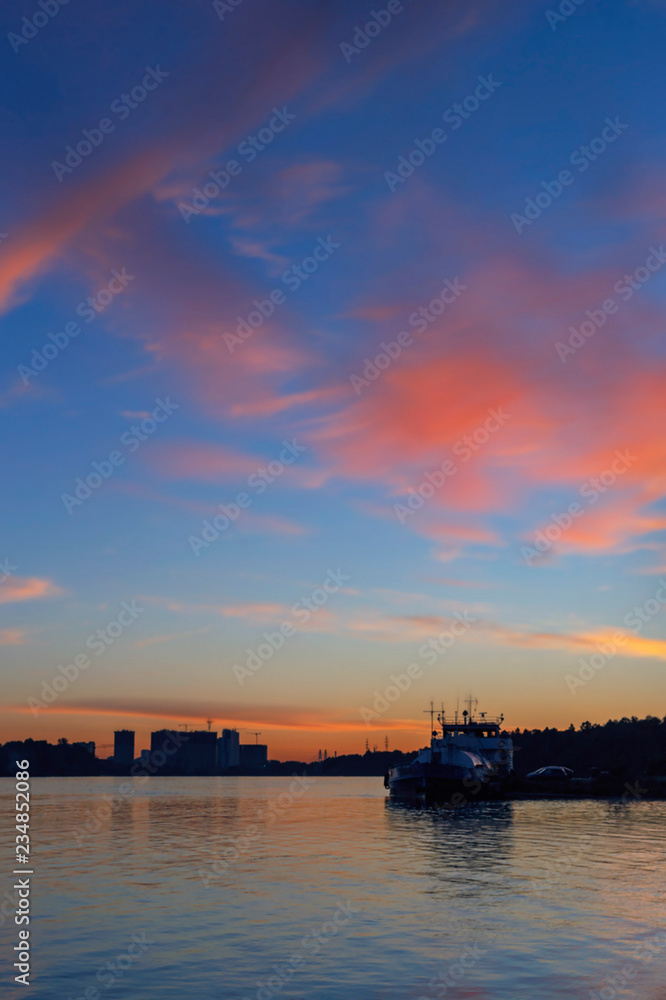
[[268, 887]]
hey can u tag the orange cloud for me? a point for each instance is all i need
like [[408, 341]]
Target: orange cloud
[[632, 646], [12, 637], [19, 588], [259, 613], [269, 716], [613, 526], [488, 352]]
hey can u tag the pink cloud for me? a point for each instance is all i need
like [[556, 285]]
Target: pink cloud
[[18, 588], [12, 637], [203, 462]]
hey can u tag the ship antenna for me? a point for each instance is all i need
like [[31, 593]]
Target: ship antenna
[[431, 710]]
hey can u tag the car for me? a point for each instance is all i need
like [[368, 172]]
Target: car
[[551, 773]]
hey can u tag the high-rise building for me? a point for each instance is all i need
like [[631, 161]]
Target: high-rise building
[[123, 746], [165, 750], [253, 756], [228, 754], [193, 752]]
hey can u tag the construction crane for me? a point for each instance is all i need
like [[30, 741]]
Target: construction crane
[[256, 735], [183, 725]]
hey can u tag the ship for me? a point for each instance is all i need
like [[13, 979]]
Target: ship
[[468, 758]]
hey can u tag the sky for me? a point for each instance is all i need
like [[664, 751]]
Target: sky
[[332, 367]]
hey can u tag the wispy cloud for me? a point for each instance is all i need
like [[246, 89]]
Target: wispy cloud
[[275, 717], [156, 639], [632, 646], [31, 588], [13, 637]]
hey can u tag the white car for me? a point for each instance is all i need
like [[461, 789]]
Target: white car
[[550, 773]]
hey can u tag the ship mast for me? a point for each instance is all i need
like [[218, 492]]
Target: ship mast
[[431, 710]]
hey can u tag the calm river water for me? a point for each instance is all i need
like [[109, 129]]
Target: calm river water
[[232, 888]]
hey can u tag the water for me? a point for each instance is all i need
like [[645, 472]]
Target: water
[[533, 900]]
